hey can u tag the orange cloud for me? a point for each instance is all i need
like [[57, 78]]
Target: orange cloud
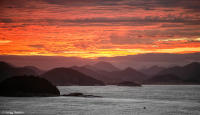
[[98, 28]]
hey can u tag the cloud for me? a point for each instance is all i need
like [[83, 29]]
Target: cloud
[[184, 40], [158, 57], [129, 38], [37, 46], [186, 4], [82, 45], [44, 62], [104, 21], [145, 4], [6, 20], [76, 25], [5, 41], [192, 5]]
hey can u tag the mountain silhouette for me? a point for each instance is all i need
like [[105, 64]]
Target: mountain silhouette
[[151, 71], [128, 74], [113, 77], [38, 71], [104, 72], [68, 76], [26, 86], [95, 74], [189, 73], [7, 70], [102, 66], [164, 79]]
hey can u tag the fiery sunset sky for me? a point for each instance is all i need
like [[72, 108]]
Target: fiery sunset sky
[[98, 28]]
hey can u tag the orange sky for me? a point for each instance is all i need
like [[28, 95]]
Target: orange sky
[[98, 28]]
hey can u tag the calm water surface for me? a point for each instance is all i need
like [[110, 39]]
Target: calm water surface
[[146, 100]]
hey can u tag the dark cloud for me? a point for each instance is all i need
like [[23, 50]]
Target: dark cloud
[[84, 2], [20, 4], [157, 57], [150, 59], [193, 41], [71, 2], [145, 4], [171, 25], [192, 5], [150, 37], [126, 21], [44, 62], [6, 20], [129, 38], [104, 6], [37, 46], [186, 4]]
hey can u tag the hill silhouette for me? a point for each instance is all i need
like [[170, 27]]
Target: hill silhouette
[[35, 69], [151, 71], [113, 77], [98, 74], [128, 74], [102, 66], [165, 79], [25, 86], [68, 76], [95, 74], [189, 73], [7, 70]]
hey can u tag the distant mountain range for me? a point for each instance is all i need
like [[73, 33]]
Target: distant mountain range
[[165, 79], [151, 71], [128, 74], [93, 73], [105, 73], [102, 66], [68, 76], [188, 73], [110, 74]]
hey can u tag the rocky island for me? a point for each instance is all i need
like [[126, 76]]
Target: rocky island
[[128, 83]]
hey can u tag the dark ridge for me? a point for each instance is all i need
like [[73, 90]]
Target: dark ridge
[[165, 79], [27, 86], [68, 76], [7, 71], [38, 71], [95, 74], [128, 74], [189, 73], [105, 66], [153, 70]]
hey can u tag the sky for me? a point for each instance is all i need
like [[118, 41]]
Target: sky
[[139, 61], [98, 28]]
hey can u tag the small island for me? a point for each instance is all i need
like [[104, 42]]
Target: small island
[[27, 86], [78, 94], [128, 83]]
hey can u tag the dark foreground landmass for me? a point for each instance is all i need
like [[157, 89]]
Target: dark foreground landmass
[[27, 86], [31, 86]]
